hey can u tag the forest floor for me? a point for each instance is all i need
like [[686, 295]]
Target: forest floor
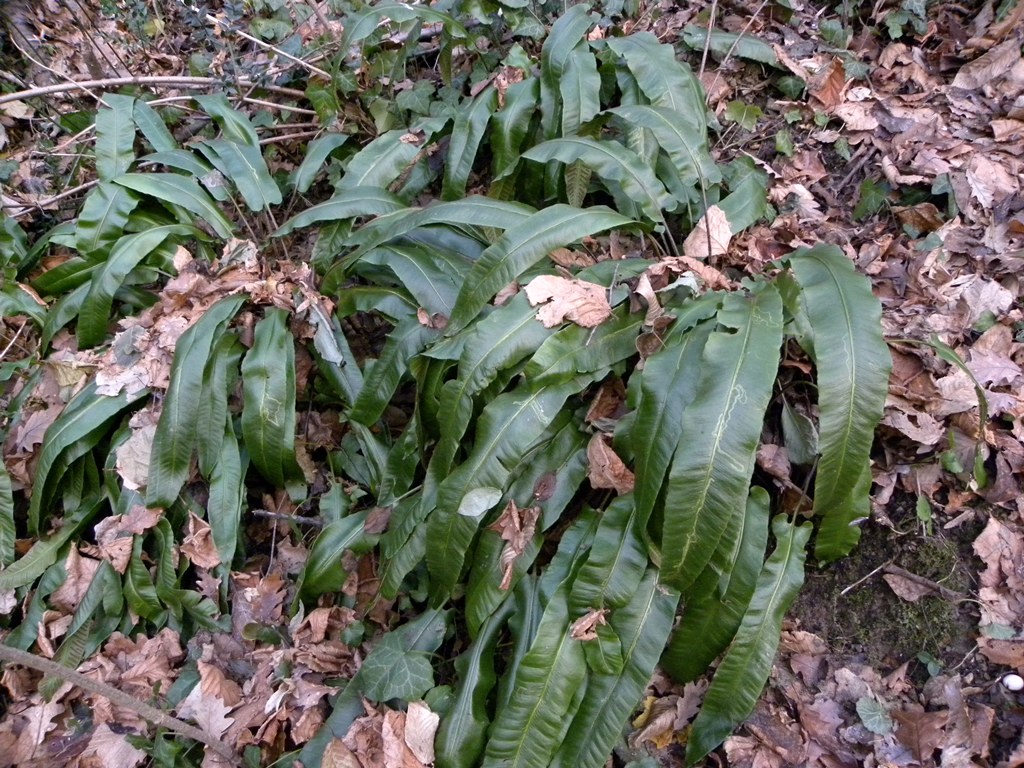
[[905, 149]]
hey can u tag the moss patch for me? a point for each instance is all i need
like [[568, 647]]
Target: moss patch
[[871, 622]]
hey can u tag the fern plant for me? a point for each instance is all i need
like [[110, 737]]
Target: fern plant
[[570, 475]]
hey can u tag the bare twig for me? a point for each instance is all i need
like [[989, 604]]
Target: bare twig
[[146, 711], [269, 47], [40, 204], [860, 581], [115, 82], [290, 136], [313, 522]]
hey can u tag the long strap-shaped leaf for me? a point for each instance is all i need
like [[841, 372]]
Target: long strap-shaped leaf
[[667, 386], [521, 247], [44, 552], [852, 364], [613, 162], [244, 165], [508, 427], [721, 595], [500, 340], [712, 466], [463, 732], [115, 134], [663, 79], [616, 563], [176, 431], [742, 674], [467, 133], [549, 685], [642, 625], [77, 430], [347, 204], [268, 413], [102, 218], [129, 251], [563, 38], [178, 190]]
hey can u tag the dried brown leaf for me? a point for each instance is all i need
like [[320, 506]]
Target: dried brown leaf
[[710, 237], [607, 470], [585, 627], [577, 301]]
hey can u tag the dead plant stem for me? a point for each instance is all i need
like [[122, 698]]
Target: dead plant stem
[[146, 711]]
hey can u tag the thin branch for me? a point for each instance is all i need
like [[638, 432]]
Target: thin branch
[[41, 204], [268, 47], [146, 711], [115, 82]]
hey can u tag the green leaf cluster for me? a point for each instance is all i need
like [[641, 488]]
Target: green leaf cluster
[[597, 136]]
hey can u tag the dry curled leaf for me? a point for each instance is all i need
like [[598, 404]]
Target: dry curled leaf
[[563, 298], [585, 627], [516, 526], [607, 470]]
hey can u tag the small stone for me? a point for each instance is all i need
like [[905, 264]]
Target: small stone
[[1013, 682]]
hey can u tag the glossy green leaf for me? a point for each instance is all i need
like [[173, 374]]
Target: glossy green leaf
[[467, 133], [741, 676], [612, 162], [852, 364], [380, 162], [244, 166], [579, 87], [667, 386], [227, 497], [175, 436], [152, 127], [233, 124], [506, 430], [139, 590], [724, 44], [45, 551], [565, 35], [323, 571], [560, 460], [463, 731], [62, 313], [126, 255], [522, 246], [549, 685], [178, 190], [179, 159], [8, 531], [473, 211], [694, 169], [721, 594], [616, 563], [381, 381], [432, 276], [576, 349], [714, 461], [268, 413], [663, 79], [80, 426], [15, 300], [317, 152], [115, 135], [500, 340], [219, 376], [510, 124], [642, 625], [103, 217], [346, 204]]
